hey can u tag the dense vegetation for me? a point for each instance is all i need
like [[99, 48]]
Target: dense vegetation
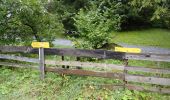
[[22, 21]]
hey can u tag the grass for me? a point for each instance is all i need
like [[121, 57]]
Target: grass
[[19, 84], [148, 37]]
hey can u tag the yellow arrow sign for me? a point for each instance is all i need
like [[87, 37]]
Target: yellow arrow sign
[[128, 50], [40, 44]]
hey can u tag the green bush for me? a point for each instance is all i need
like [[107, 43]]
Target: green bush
[[93, 29]]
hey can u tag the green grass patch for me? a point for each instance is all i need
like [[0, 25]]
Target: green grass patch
[[148, 37], [19, 84]]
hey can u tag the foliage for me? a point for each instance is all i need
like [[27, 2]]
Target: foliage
[[66, 9], [154, 12], [24, 21], [93, 29]]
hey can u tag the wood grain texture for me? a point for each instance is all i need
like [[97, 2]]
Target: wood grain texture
[[85, 64], [150, 80], [104, 54], [148, 70], [149, 57], [85, 73], [18, 58], [65, 52], [19, 65]]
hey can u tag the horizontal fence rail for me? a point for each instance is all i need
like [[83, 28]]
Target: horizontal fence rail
[[88, 53], [88, 64]]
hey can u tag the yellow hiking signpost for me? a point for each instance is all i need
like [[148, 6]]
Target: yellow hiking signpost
[[41, 46], [128, 50]]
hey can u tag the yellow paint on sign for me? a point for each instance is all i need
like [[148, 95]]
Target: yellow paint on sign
[[40, 44], [128, 50]]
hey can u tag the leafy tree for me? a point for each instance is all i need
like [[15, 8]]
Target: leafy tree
[[24, 21], [66, 9], [155, 12]]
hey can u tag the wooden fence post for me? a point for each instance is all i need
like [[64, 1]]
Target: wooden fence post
[[41, 63], [125, 71]]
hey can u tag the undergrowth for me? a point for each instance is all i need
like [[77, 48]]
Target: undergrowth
[[19, 84]]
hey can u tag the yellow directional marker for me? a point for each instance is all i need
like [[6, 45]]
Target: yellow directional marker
[[128, 50], [40, 44]]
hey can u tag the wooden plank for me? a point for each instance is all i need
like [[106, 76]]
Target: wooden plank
[[150, 80], [19, 65], [85, 73], [66, 52], [150, 57], [15, 49], [41, 63], [149, 70], [85, 64], [89, 53], [148, 89], [85, 53], [12, 57]]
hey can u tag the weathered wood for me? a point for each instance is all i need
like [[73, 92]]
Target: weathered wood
[[89, 53], [150, 57], [65, 52], [19, 65], [148, 89], [125, 72], [13, 57], [150, 80], [85, 53], [41, 63], [15, 49], [149, 70], [85, 73], [85, 64]]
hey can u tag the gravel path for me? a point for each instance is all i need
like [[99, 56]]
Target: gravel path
[[63, 42], [148, 49], [145, 49]]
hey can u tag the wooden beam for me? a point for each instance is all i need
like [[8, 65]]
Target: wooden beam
[[41, 63], [149, 57], [149, 70], [89, 53], [19, 65], [150, 80], [85, 64], [13, 57], [85, 73], [65, 52]]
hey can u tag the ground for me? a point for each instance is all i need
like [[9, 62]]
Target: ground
[[19, 84]]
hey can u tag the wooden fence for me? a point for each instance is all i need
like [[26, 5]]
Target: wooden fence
[[120, 72]]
